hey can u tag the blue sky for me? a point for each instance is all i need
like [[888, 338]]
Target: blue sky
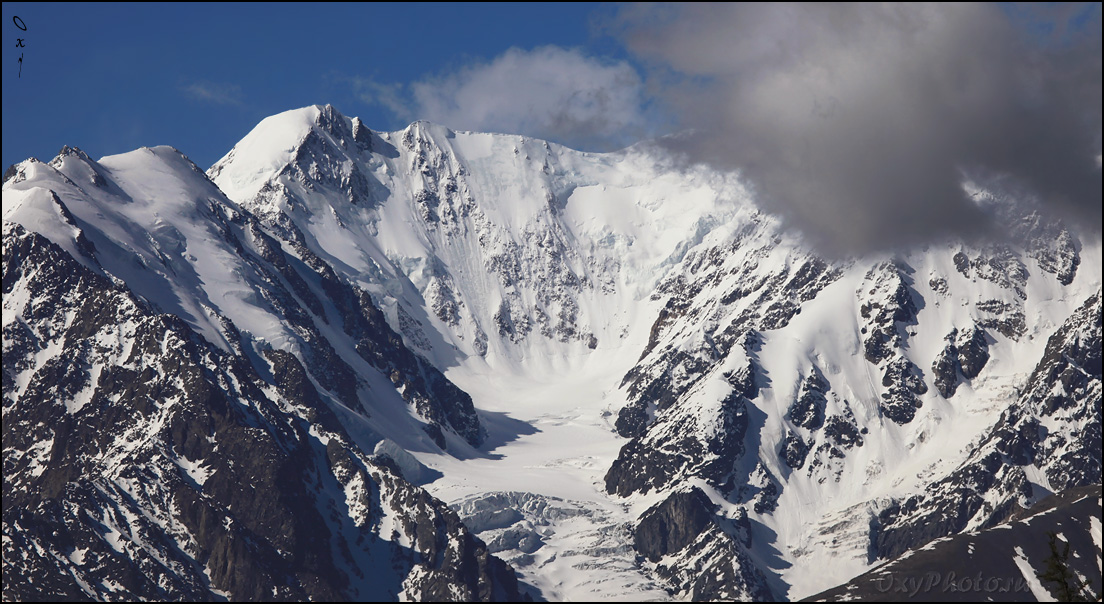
[[110, 78]]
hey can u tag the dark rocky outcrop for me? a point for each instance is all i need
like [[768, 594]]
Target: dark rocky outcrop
[[696, 553], [673, 524], [793, 451], [807, 411], [1064, 392], [985, 565], [904, 384], [648, 463], [965, 354], [886, 306], [158, 466]]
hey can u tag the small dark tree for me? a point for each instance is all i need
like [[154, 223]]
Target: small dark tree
[[1069, 588]]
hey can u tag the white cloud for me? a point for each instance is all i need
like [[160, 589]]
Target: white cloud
[[212, 92], [372, 92], [856, 121], [549, 92]]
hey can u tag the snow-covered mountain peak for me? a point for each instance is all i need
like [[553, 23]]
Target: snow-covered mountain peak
[[503, 236], [282, 140], [592, 356], [75, 151], [151, 219]]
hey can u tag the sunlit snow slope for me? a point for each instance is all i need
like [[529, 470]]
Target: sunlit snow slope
[[567, 290], [184, 419], [671, 396]]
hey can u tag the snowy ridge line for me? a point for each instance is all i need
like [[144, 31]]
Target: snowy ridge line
[[1000, 562], [167, 467], [603, 333]]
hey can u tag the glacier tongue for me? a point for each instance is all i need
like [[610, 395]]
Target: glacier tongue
[[590, 356]]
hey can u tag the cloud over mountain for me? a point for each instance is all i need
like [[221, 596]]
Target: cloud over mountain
[[548, 92], [860, 122]]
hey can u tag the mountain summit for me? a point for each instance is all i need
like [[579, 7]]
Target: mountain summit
[[428, 364]]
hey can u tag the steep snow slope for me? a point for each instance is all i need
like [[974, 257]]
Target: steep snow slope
[[151, 219], [673, 396], [1003, 562], [522, 267], [503, 238], [143, 462], [155, 450], [806, 396]]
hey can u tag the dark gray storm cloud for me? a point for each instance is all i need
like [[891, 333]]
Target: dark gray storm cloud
[[860, 123]]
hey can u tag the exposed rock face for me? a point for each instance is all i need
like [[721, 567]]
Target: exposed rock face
[[185, 349], [701, 556], [794, 450], [904, 383], [808, 410], [1064, 393], [143, 462], [888, 309], [964, 355], [973, 352], [672, 525], [995, 558], [839, 436], [652, 462], [945, 369]]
